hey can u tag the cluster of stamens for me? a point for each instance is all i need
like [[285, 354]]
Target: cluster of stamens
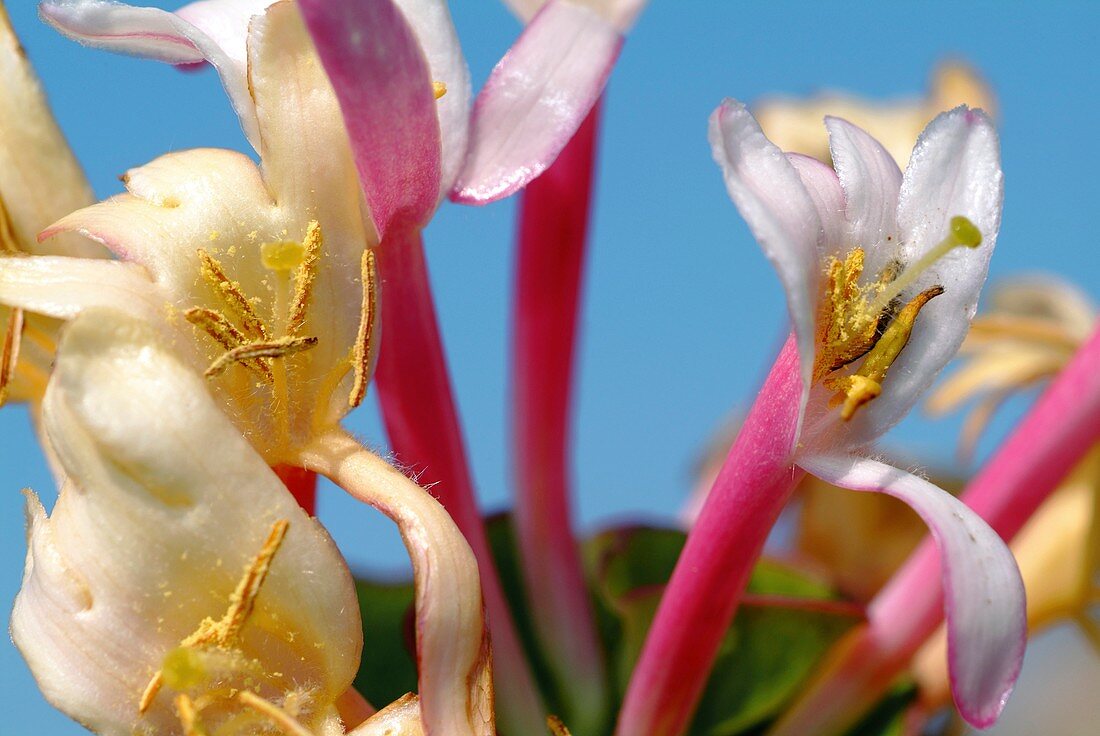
[[247, 340], [869, 322]]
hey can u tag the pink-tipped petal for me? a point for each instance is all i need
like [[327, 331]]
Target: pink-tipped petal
[[768, 191], [382, 80], [824, 188], [63, 287], [984, 594], [871, 180], [210, 31], [535, 99], [955, 170]]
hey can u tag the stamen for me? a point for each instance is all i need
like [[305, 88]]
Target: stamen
[[557, 728], [307, 272], [278, 348], [229, 337], [224, 632], [230, 293], [363, 352], [439, 89], [189, 717], [963, 233], [866, 384], [286, 723], [9, 356]]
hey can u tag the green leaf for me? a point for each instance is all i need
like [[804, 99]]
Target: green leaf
[[388, 668]]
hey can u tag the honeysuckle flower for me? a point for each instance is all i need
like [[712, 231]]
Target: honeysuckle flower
[[133, 607], [1029, 332], [128, 581], [795, 125], [40, 181], [882, 272]]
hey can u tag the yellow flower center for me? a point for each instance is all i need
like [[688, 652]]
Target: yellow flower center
[[868, 321]]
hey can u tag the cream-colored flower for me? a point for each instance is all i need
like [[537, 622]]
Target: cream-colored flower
[[175, 572], [40, 181], [1028, 332], [795, 124]]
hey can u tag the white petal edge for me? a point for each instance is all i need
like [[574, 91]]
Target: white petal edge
[[769, 193], [871, 180], [955, 169], [168, 491], [157, 34], [983, 592], [823, 186], [535, 99]]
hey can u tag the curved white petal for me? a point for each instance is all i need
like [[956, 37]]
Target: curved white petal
[[205, 31], [535, 99], [823, 186], [431, 21], [622, 13], [769, 193], [170, 506], [983, 592], [955, 170], [40, 179], [871, 180], [63, 287]]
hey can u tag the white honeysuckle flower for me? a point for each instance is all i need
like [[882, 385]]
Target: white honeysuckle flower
[[40, 181], [261, 276], [133, 609], [882, 272]]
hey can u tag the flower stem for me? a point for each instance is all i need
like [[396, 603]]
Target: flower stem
[[552, 242], [702, 596], [422, 422], [302, 484], [452, 645], [1052, 438]]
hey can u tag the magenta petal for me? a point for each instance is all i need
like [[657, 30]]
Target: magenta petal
[[984, 594], [382, 81], [535, 99]]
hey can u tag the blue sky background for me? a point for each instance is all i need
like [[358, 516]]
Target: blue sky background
[[682, 313]]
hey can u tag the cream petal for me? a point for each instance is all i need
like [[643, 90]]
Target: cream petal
[[983, 592], [955, 169], [769, 193], [40, 179], [205, 31], [63, 287], [823, 186], [623, 13], [172, 502]]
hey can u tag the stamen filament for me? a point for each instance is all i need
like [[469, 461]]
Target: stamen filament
[[303, 285], [231, 295], [363, 352], [218, 326], [279, 348], [557, 728], [189, 717], [963, 233], [286, 723], [9, 356]]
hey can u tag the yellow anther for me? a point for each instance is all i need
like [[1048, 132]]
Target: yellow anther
[[229, 337], [282, 255], [845, 328], [231, 295], [962, 233], [9, 356], [189, 717], [283, 720], [439, 89], [866, 383], [278, 348], [307, 273], [364, 350], [223, 632], [557, 728]]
